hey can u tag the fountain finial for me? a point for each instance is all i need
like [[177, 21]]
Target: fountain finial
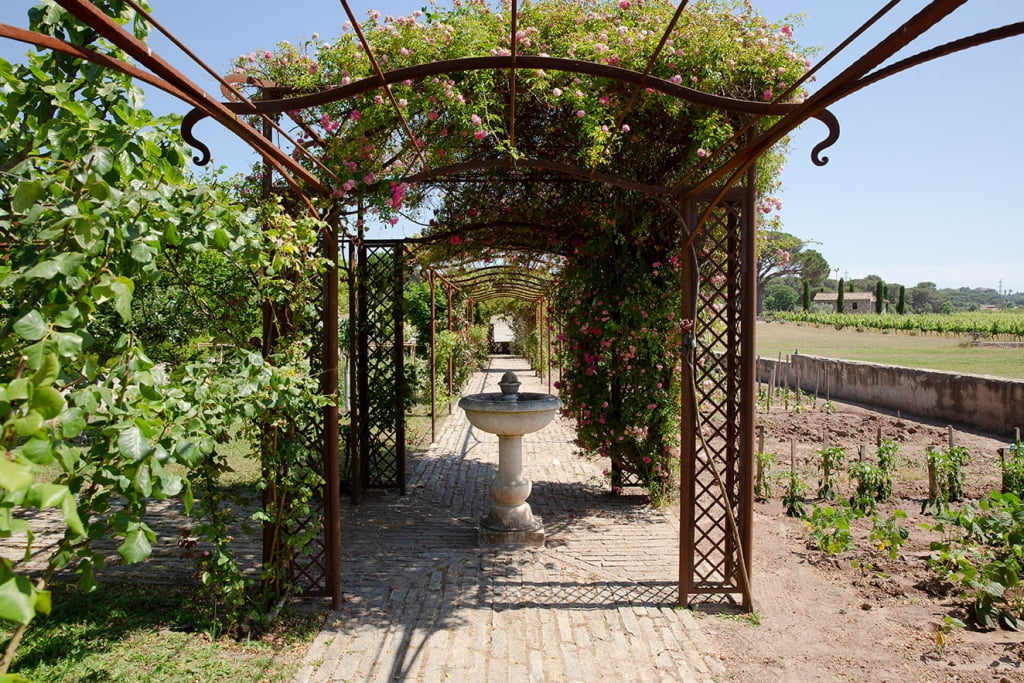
[[509, 384]]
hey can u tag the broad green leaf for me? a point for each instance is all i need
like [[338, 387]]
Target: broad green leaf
[[143, 481], [28, 425], [48, 401], [14, 476], [17, 390], [68, 343], [26, 194], [42, 495], [101, 159], [47, 372], [17, 600], [38, 451], [135, 548], [132, 444], [72, 422], [122, 288], [69, 509], [31, 326]]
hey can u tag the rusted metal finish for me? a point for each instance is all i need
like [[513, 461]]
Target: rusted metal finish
[[748, 381], [332, 424], [433, 357]]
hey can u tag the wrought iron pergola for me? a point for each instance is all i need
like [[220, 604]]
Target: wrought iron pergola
[[715, 215]]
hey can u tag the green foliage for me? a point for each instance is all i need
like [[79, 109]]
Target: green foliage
[[874, 482], [100, 224], [832, 460], [793, 496], [871, 483], [841, 297], [830, 528], [1012, 468], [621, 347], [1005, 323], [887, 534], [946, 465], [983, 554], [780, 297], [763, 478]]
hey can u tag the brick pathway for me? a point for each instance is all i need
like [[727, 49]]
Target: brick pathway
[[424, 603]]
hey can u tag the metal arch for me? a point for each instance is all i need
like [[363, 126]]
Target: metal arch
[[499, 62]]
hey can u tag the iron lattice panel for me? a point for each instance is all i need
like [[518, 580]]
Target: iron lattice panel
[[723, 398], [381, 364], [308, 569]]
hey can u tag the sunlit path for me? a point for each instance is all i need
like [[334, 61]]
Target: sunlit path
[[424, 602]]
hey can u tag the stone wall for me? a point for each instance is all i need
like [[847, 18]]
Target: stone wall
[[988, 403]]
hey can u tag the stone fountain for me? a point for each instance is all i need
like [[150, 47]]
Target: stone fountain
[[510, 414]]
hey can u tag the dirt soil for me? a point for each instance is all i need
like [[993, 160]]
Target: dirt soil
[[859, 616]]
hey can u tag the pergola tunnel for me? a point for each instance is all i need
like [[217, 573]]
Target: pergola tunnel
[[601, 169]]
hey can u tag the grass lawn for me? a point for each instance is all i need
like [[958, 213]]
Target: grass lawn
[[932, 352]]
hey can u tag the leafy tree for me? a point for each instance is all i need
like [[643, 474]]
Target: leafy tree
[[780, 297], [783, 255], [96, 211]]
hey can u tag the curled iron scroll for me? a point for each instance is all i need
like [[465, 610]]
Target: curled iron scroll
[[832, 123], [187, 123]]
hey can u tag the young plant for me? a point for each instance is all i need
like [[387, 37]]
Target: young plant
[[763, 480], [887, 535], [888, 461], [983, 553], [830, 528], [942, 632], [1012, 468], [832, 459], [946, 468], [793, 497], [870, 486]]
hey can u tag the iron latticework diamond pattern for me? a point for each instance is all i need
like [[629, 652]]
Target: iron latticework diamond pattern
[[380, 365], [722, 407]]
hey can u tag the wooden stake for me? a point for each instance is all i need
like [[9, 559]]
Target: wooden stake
[[863, 451], [949, 429], [878, 438]]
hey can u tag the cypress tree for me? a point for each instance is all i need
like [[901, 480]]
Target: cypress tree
[[807, 296], [901, 305], [879, 296], [841, 299]]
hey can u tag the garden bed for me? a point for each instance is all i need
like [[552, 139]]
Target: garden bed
[[859, 615]]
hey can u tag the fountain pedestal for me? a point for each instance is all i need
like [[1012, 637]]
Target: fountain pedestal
[[510, 415]]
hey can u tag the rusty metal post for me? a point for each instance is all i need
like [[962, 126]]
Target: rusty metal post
[[363, 350], [547, 369], [451, 361], [399, 356], [329, 387], [433, 357], [748, 379], [731, 447], [688, 284], [352, 442]]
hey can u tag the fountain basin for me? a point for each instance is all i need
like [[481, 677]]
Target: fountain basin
[[495, 414], [510, 415]]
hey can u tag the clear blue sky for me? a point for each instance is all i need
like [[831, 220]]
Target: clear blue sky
[[924, 184]]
